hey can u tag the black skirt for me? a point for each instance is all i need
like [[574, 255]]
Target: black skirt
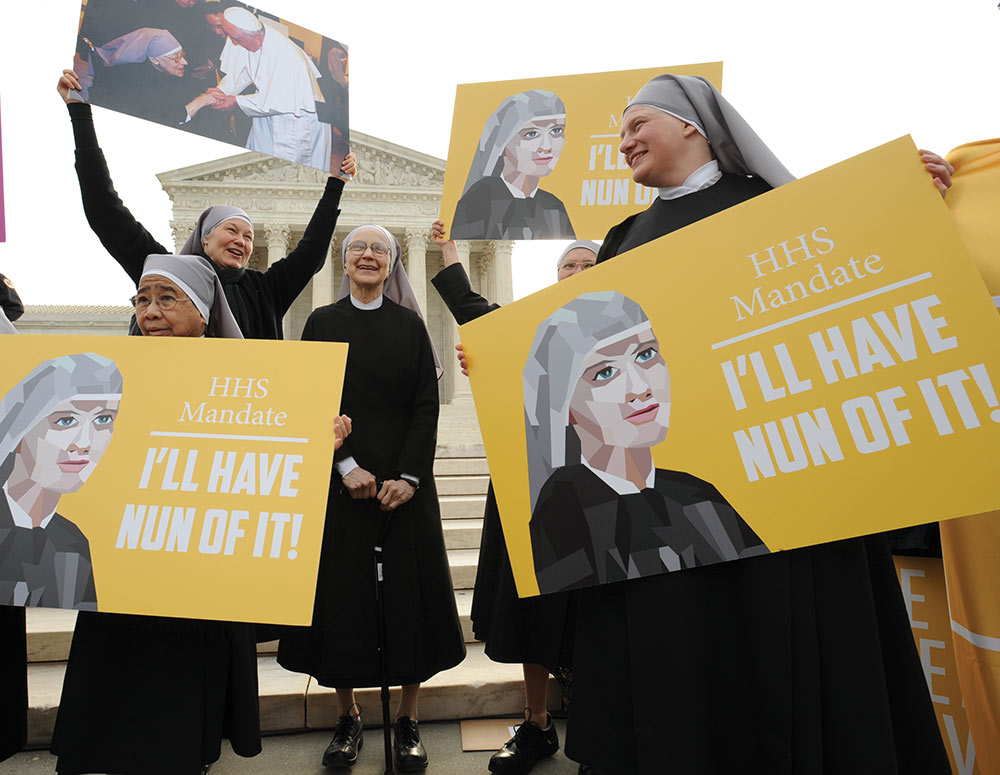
[[13, 681], [797, 662], [148, 695], [534, 630]]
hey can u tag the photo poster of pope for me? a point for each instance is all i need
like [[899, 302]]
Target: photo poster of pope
[[520, 145], [220, 69], [596, 403], [55, 426]]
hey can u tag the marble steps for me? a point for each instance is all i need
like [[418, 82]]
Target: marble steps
[[477, 688], [461, 466], [462, 484], [462, 533]]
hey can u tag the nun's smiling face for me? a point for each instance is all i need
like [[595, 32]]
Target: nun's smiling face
[[62, 450], [230, 244], [534, 150], [622, 399], [368, 261], [655, 145], [163, 309]]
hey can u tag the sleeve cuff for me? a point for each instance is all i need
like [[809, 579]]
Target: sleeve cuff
[[345, 466]]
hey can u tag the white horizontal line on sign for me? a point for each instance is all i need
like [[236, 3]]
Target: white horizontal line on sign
[[595, 137], [229, 437], [823, 310]]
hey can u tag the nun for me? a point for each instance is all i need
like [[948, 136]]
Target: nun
[[196, 680], [381, 492], [223, 234], [520, 144], [13, 635], [794, 662], [535, 632]]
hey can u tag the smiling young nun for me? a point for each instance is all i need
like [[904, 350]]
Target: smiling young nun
[[384, 469], [223, 234], [794, 662], [152, 695]]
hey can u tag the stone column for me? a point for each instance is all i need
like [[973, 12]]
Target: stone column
[[181, 231], [462, 390], [501, 272], [484, 263], [277, 236], [416, 241], [322, 282]]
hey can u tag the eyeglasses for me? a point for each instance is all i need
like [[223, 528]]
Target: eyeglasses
[[175, 58], [378, 248], [165, 302], [569, 265]]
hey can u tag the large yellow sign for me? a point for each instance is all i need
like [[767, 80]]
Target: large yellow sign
[[538, 158], [825, 358], [174, 477]]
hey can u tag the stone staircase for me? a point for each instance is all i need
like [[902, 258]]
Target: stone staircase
[[290, 701]]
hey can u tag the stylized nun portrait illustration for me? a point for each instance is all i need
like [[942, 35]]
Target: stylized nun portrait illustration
[[520, 145], [596, 401], [55, 425]]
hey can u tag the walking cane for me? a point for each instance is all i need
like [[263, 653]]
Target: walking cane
[[380, 615]]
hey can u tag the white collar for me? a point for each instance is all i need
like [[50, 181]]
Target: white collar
[[703, 177], [367, 304], [516, 192], [21, 517], [619, 485]]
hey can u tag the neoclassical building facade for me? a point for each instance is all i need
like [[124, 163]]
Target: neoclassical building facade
[[395, 187]]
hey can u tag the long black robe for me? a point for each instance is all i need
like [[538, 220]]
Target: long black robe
[[259, 300], [791, 663], [533, 630], [488, 210], [13, 680], [390, 393]]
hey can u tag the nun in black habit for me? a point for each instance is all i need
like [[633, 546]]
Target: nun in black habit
[[223, 234], [196, 680], [795, 662], [384, 480]]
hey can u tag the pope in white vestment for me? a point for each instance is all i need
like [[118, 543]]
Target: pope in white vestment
[[283, 108]]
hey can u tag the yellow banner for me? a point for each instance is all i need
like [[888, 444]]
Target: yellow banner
[[555, 143], [825, 358], [922, 582], [174, 477]]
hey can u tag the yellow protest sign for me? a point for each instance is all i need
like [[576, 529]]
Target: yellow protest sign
[[824, 357], [926, 598], [173, 477], [538, 158]]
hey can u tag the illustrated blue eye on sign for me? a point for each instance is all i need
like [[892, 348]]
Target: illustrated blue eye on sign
[[221, 70]]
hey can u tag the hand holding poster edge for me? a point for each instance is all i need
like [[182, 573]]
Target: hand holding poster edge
[[906, 187]]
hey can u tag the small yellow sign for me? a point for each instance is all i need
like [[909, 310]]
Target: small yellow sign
[[173, 477], [816, 363], [538, 158]]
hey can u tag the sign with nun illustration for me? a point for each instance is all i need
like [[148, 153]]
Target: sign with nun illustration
[[538, 158], [222, 70], [166, 476], [819, 362]]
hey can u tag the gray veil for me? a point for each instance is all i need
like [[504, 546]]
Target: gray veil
[[501, 127], [554, 366], [735, 145], [198, 279]]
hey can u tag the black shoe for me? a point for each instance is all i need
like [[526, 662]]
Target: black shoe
[[529, 744], [407, 749], [347, 741]]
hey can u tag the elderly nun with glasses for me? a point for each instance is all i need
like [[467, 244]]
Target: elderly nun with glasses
[[381, 491], [151, 695]]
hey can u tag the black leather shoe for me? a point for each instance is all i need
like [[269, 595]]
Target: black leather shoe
[[408, 751], [529, 744], [347, 741]]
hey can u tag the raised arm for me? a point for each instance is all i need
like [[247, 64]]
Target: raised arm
[[122, 235], [286, 278], [452, 283]]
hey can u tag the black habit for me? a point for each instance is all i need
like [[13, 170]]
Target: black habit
[[259, 300], [532, 630], [13, 680], [795, 662], [391, 395], [488, 210]]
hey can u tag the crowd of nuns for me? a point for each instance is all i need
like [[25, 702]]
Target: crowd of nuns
[[794, 662]]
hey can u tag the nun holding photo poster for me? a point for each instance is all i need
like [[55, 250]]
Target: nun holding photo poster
[[520, 144], [596, 401]]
